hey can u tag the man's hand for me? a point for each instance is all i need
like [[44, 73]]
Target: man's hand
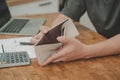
[[43, 30], [72, 49]]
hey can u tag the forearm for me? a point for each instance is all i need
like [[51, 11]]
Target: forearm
[[107, 47]]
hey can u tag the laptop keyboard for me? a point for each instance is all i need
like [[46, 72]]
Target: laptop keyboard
[[15, 26]]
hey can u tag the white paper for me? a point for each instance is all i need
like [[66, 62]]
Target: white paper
[[1, 51], [15, 41], [13, 45]]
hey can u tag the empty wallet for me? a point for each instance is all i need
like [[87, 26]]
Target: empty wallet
[[48, 44]]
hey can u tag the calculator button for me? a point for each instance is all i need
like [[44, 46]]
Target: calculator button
[[26, 60]]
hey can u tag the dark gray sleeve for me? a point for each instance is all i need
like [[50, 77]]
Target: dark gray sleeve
[[74, 9]]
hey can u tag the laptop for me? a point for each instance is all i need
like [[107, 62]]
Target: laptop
[[17, 26]]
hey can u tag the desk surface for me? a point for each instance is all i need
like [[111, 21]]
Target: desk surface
[[105, 68]]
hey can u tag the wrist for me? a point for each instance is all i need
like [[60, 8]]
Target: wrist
[[90, 51], [96, 50]]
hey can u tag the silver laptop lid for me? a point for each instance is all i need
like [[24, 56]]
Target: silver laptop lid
[[4, 13]]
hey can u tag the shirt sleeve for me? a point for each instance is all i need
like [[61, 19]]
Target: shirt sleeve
[[74, 9]]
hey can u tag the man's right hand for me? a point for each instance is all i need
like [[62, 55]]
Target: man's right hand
[[43, 30]]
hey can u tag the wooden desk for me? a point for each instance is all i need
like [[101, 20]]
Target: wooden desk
[[105, 68]]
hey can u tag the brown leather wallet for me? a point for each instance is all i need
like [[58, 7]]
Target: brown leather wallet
[[48, 43], [51, 36]]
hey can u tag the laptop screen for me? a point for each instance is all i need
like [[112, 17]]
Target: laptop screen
[[4, 13]]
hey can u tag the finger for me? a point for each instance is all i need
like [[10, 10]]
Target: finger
[[58, 60], [54, 57], [64, 39], [36, 38], [65, 59], [50, 59], [33, 40], [38, 35], [44, 29]]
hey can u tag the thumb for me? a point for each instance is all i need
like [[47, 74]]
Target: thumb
[[64, 40]]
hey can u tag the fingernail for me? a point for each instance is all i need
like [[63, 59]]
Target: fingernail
[[60, 37], [45, 31]]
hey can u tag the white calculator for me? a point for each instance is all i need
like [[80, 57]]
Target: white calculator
[[9, 59]]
